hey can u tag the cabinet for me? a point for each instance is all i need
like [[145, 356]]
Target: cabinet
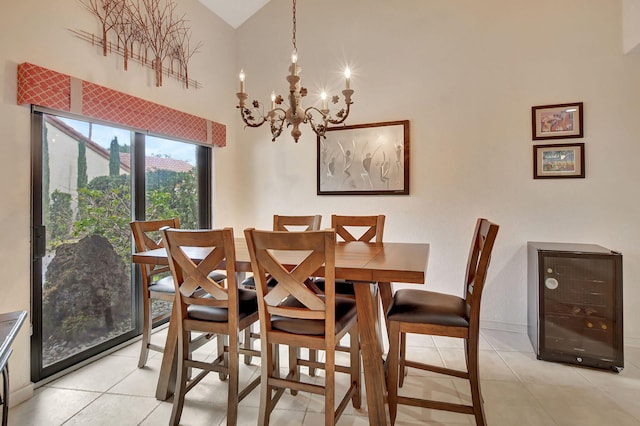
[[575, 304]]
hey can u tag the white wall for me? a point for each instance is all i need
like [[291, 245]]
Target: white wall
[[37, 32], [465, 73]]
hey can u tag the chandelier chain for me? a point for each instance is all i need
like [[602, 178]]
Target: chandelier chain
[[293, 38]]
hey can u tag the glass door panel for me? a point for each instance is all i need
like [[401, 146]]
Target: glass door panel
[[86, 285], [171, 181], [85, 297], [171, 190]]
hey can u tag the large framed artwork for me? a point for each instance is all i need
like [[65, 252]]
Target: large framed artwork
[[559, 121], [558, 161], [364, 159]]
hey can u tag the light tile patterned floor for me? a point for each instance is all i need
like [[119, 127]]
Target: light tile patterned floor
[[517, 388]]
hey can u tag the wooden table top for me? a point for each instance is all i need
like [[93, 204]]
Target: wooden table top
[[358, 261]]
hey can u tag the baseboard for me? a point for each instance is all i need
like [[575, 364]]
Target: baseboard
[[21, 395], [632, 341], [502, 326], [520, 328]]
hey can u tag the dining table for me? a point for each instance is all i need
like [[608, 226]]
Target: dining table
[[372, 267]]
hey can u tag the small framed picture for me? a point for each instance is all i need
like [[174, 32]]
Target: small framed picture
[[364, 159], [560, 121], [558, 161]]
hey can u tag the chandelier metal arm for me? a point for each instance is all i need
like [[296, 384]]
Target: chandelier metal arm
[[247, 114], [248, 118], [277, 122], [343, 113], [320, 128]]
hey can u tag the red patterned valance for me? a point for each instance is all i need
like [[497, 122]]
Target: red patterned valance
[[51, 89]]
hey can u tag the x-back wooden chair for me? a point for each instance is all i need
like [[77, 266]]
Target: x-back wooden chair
[[292, 314], [225, 311], [283, 223], [354, 228], [157, 282]]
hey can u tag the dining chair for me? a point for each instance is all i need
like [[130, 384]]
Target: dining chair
[[439, 314], [354, 228], [225, 311], [290, 223], [292, 314], [350, 228], [282, 223], [157, 282]]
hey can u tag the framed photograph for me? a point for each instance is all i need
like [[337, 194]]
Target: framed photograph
[[364, 159], [558, 161], [560, 121]]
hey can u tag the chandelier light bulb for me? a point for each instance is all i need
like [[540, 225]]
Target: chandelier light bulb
[[241, 81], [347, 76]]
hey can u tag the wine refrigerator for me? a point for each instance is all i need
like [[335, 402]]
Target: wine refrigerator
[[575, 304]]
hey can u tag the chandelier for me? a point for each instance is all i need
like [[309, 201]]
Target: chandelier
[[253, 115]]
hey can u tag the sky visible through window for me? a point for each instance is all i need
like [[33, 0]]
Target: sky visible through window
[[154, 146]]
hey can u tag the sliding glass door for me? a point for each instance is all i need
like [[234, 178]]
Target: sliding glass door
[[89, 181]]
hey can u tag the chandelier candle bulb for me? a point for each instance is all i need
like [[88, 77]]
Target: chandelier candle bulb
[[323, 96], [347, 75], [241, 81], [294, 62], [273, 100]]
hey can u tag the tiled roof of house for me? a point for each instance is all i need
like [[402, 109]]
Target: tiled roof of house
[[160, 163]]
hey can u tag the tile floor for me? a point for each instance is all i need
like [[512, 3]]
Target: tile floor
[[517, 389]]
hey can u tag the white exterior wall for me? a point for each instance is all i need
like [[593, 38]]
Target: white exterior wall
[[63, 159]]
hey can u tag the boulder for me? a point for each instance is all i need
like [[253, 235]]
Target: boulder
[[86, 294]]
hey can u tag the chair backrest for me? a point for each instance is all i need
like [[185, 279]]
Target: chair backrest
[[215, 250], [477, 265], [291, 258], [296, 223], [369, 227], [147, 236]]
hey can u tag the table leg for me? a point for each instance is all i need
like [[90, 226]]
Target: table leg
[[386, 295], [370, 345], [169, 369]]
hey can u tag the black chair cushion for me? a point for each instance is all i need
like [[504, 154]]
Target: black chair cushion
[[163, 285], [217, 276], [248, 304], [428, 307], [251, 283], [342, 286], [345, 312]]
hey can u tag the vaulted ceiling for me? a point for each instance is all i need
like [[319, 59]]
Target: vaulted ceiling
[[234, 12]]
